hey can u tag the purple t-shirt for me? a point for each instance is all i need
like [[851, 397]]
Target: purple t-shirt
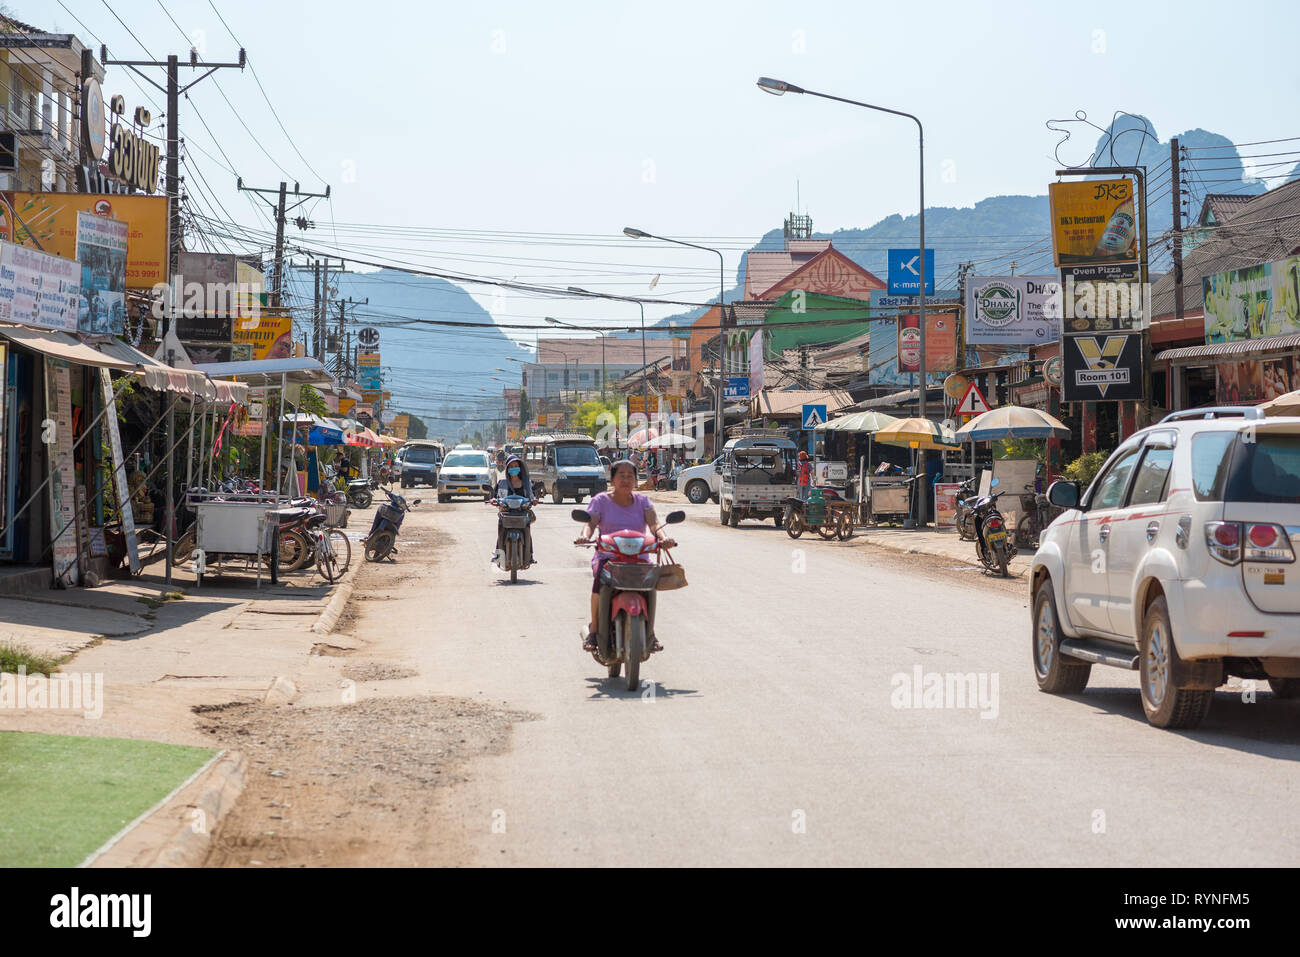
[[612, 517]]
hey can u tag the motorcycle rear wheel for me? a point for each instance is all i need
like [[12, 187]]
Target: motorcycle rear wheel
[[363, 499], [295, 551], [379, 545], [1002, 560]]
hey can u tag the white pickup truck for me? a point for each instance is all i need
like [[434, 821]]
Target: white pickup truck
[[757, 476]]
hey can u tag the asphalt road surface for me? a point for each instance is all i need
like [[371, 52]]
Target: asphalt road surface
[[783, 724]]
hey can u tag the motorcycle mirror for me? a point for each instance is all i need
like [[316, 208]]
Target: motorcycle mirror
[[417, 501], [674, 518], [580, 515]]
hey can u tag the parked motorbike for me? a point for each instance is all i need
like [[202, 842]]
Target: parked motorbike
[[965, 511], [382, 538], [992, 542], [517, 542], [621, 626]]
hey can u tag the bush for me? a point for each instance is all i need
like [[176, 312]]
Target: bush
[[14, 655], [1085, 468]]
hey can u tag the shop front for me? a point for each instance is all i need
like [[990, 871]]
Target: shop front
[[1245, 372]]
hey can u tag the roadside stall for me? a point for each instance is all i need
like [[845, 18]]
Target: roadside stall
[[895, 497], [1015, 477], [858, 427]]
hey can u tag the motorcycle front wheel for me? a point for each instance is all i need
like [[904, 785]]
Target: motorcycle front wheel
[[633, 647]]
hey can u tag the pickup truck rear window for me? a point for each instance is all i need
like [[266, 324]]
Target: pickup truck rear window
[[1266, 470]]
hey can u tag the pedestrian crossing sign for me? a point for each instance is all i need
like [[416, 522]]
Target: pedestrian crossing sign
[[973, 402], [813, 416]]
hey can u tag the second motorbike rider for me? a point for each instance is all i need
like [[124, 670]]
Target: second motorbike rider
[[621, 508]]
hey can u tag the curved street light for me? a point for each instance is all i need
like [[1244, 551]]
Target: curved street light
[[633, 233], [778, 87]]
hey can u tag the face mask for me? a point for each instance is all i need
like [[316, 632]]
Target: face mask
[[513, 472]]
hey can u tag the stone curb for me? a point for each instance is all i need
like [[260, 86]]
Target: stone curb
[[334, 610], [222, 786], [177, 831]]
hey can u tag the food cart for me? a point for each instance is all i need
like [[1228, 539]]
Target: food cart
[[247, 525]]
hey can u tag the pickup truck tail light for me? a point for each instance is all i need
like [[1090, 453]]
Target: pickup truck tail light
[[1267, 543], [1233, 542]]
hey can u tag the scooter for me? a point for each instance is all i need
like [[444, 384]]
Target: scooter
[[382, 538], [992, 543], [622, 621], [517, 544]]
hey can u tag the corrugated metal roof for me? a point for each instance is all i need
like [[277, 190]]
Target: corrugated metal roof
[[1242, 348], [771, 402]]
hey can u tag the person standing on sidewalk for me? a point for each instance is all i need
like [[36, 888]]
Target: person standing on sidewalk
[[804, 475]]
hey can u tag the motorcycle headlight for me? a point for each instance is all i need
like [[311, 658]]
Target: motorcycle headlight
[[628, 545]]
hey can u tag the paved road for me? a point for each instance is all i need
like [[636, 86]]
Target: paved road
[[777, 727]]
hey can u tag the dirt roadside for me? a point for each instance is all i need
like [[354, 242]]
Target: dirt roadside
[[355, 782]]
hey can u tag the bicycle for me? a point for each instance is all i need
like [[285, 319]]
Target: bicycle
[[330, 546]]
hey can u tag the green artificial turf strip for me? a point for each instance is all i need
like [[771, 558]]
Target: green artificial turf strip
[[62, 797]]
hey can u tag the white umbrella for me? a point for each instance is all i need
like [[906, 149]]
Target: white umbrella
[[1012, 422], [670, 440]]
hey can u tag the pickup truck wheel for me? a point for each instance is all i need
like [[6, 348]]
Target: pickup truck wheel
[[697, 493], [1285, 687], [1165, 704], [1055, 674]]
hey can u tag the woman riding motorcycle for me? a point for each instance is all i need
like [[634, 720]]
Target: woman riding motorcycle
[[513, 480], [620, 508]]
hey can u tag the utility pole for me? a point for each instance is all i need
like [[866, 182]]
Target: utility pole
[[280, 210], [173, 91], [340, 367], [1175, 174]]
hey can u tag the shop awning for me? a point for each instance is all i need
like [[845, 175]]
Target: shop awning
[[1241, 349], [267, 373], [162, 377], [60, 345]]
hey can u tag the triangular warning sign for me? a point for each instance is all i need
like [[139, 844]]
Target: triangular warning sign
[[972, 403]]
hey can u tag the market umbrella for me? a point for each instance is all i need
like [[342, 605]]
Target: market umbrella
[[1286, 404], [926, 434], [868, 421], [1012, 422], [363, 437]]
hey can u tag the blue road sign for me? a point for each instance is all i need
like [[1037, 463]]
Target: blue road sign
[[905, 272], [737, 387], [813, 416]]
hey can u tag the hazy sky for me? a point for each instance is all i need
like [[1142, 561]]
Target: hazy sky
[[576, 119]]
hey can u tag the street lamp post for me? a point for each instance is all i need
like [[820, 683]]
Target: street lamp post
[[779, 87], [632, 233]]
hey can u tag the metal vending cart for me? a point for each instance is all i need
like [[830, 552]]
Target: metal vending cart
[[247, 525]]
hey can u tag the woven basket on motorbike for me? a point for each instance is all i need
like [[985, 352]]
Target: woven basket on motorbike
[[336, 516], [671, 576]]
